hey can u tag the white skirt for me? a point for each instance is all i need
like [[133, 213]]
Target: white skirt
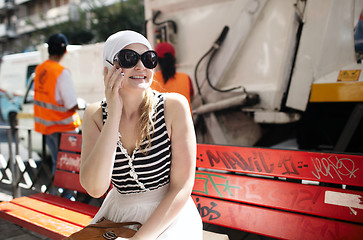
[[139, 207]]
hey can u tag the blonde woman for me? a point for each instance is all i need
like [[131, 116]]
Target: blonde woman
[[143, 142]]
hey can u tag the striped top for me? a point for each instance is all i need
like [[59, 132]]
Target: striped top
[[144, 171]]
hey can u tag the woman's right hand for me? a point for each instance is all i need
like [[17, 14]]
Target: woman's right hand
[[113, 81]]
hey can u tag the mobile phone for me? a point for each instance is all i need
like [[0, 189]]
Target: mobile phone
[[108, 64]]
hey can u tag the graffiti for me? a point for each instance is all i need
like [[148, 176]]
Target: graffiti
[[206, 211], [302, 199], [70, 161], [301, 165], [208, 183], [210, 178], [334, 167], [236, 160], [254, 163]]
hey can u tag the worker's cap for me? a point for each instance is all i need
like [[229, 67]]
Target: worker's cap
[[57, 44], [120, 40], [163, 48]]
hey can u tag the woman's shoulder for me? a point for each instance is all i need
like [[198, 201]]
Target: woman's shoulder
[[93, 113], [92, 108], [172, 96], [176, 102]]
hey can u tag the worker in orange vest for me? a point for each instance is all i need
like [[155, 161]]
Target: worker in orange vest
[[55, 99], [167, 79]]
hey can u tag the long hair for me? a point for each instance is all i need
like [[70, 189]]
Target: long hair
[[167, 65], [146, 122]]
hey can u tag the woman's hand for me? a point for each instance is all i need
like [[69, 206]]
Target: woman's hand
[[113, 80]]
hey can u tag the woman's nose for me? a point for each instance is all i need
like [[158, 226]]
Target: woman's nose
[[139, 64]]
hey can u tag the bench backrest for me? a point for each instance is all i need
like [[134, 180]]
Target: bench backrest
[[69, 162], [260, 190]]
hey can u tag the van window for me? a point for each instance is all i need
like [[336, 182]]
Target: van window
[[30, 70]]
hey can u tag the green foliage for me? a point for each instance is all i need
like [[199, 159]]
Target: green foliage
[[122, 15]]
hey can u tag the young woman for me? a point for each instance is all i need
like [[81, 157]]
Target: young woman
[[144, 143]]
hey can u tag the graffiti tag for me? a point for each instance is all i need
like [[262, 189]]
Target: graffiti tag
[[257, 162], [334, 167], [206, 211], [211, 178]]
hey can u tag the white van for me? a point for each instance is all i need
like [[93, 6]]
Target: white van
[[86, 68], [15, 70]]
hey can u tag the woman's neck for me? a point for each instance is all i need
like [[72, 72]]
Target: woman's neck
[[131, 104]]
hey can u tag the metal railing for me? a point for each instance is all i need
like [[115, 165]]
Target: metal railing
[[23, 172]]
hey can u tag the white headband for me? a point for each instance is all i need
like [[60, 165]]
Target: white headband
[[119, 40]]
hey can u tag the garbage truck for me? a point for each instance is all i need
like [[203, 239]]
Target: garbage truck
[[269, 73]]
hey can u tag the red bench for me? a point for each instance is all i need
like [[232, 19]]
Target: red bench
[[54, 216], [256, 190], [264, 191], [50, 215]]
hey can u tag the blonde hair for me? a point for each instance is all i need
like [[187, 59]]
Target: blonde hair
[[146, 121]]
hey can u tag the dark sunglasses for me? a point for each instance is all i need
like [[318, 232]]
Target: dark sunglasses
[[128, 58]]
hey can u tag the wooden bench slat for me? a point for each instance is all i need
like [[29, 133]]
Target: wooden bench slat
[[80, 207], [37, 221], [54, 211], [278, 194], [71, 142], [68, 180], [272, 223], [314, 166]]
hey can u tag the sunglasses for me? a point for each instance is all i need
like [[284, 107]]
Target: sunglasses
[[128, 58]]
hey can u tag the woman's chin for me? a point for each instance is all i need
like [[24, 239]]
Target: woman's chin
[[140, 85]]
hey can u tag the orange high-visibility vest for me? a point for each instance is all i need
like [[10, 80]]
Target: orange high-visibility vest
[[49, 116], [180, 83]]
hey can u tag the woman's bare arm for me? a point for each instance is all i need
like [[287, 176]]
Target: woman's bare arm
[[97, 154], [99, 141]]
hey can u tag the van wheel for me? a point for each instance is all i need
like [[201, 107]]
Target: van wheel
[[1, 114], [13, 121]]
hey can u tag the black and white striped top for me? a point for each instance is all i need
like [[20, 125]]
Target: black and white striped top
[[144, 171]]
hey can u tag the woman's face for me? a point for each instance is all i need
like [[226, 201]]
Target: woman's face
[[138, 76]]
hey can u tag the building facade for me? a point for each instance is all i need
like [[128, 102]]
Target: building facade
[[22, 19]]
